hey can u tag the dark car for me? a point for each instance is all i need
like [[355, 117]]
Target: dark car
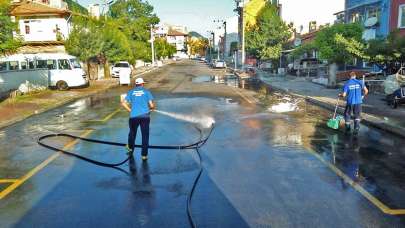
[[396, 98]]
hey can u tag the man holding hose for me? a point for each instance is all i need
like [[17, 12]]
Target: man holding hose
[[139, 102], [354, 92]]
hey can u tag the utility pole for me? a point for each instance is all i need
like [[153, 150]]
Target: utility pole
[[224, 41], [213, 41], [240, 4], [224, 38], [152, 40]]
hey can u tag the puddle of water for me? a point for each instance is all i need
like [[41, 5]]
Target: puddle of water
[[202, 79], [284, 107]]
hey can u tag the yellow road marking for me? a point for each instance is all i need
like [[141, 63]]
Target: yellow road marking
[[2, 181], [18, 182], [107, 118], [38, 168], [243, 96], [380, 205]]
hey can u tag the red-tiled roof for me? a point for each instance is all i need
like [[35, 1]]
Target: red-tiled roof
[[32, 8], [173, 32]]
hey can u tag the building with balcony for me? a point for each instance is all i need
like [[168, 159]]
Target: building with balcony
[[372, 14]]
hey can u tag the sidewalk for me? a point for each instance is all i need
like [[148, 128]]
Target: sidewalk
[[20, 108], [376, 112]]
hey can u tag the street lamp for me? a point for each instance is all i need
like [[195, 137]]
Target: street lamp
[[213, 42], [224, 40]]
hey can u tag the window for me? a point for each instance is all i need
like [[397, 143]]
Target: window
[[46, 64], [355, 17], [3, 66], [24, 65], [401, 16], [27, 29], [31, 64], [13, 65], [51, 64], [373, 12], [75, 63], [64, 64], [123, 65], [41, 64]]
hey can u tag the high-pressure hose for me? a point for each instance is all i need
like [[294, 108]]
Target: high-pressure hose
[[196, 146]]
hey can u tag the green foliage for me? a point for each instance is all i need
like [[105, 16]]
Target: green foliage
[[264, 40], [163, 48], [76, 7], [8, 44], [387, 53], [134, 17], [124, 35], [338, 42], [304, 48]]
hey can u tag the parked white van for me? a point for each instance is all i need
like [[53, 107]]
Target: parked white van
[[64, 71]]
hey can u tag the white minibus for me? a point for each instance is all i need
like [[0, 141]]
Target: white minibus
[[64, 70]]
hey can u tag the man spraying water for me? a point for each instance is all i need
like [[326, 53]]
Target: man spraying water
[[139, 102]]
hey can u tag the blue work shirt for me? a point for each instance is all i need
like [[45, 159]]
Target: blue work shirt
[[354, 91], [139, 98]]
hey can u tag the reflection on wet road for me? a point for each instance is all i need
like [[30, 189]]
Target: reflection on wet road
[[262, 168]]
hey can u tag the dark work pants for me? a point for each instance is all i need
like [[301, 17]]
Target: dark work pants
[[356, 111], [133, 129]]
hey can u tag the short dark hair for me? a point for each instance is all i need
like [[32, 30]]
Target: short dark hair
[[353, 74]]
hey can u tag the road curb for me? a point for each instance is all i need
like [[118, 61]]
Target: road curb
[[367, 119], [68, 100]]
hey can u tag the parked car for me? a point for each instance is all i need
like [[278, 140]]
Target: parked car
[[220, 64], [397, 98], [64, 71], [122, 67], [202, 59]]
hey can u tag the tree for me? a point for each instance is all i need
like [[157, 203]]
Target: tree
[[388, 54], [198, 45], [265, 39], [163, 48], [330, 42], [8, 44], [134, 18]]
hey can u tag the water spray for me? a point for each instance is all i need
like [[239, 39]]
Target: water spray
[[203, 121]]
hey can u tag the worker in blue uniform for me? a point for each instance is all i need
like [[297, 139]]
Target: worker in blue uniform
[[139, 102], [354, 91]]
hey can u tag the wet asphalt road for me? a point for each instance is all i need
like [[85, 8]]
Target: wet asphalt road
[[261, 168]]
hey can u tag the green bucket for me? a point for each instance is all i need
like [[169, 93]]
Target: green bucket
[[334, 123]]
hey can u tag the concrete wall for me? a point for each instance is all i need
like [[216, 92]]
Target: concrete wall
[[11, 80], [43, 29]]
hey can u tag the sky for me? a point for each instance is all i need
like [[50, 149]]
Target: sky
[[302, 12], [198, 15]]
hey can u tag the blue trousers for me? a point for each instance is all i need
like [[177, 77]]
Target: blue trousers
[[134, 123]]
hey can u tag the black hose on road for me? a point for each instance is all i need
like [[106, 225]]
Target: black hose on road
[[196, 146]]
